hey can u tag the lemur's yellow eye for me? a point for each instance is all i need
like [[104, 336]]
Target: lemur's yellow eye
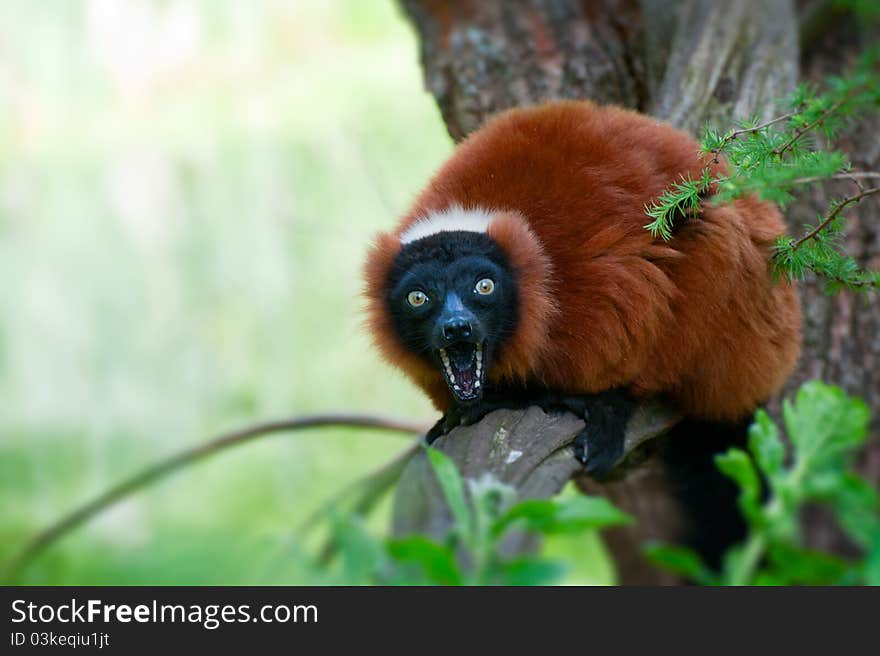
[[416, 298], [485, 287]]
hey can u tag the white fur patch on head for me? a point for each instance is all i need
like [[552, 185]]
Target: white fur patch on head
[[455, 217]]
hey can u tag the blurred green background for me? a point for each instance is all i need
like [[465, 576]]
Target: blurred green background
[[186, 192]]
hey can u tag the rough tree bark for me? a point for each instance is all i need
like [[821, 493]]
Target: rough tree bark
[[687, 62]]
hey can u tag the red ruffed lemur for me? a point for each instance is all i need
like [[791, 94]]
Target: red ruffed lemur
[[524, 274]]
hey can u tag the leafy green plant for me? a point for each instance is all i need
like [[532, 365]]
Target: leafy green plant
[[773, 158], [776, 478], [484, 514], [824, 427]]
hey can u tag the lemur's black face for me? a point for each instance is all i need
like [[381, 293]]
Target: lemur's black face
[[453, 301]]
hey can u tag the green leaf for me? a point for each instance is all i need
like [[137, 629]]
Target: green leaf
[[736, 565], [528, 570], [766, 445], [680, 560], [453, 491], [769, 579], [737, 465], [437, 561], [568, 515], [857, 505], [679, 199], [796, 566], [871, 568], [824, 423], [362, 556]]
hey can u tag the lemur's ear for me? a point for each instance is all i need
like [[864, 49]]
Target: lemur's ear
[[533, 271], [380, 259]]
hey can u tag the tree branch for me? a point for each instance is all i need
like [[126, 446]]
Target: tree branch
[[187, 457], [735, 134], [800, 132], [835, 212], [849, 175], [527, 449]]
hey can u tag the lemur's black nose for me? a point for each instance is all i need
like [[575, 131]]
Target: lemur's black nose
[[456, 328]]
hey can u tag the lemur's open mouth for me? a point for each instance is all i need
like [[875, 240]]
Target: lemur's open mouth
[[463, 368]]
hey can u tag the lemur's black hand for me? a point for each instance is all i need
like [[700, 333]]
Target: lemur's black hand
[[444, 425], [599, 446], [435, 431]]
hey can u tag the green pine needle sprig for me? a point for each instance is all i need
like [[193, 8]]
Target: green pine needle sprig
[[774, 158]]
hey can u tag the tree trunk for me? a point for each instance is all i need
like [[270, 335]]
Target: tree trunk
[[686, 62]]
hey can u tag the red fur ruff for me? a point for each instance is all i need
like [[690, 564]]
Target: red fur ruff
[[697, 320]]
